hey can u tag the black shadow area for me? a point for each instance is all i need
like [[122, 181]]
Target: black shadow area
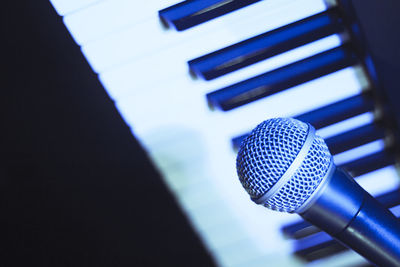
[[76, 189]]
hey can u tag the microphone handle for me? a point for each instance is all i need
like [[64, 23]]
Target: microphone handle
[[343, 209], [374, 233]]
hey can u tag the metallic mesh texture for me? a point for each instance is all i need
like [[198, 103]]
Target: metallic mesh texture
[[267, 153], [305, 180]]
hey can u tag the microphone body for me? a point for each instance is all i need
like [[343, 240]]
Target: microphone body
[[352, 216], [285, 166]]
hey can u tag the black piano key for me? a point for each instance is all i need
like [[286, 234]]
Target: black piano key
[[302, 228], [266, 45], [354, 138], [329, 114], [299, 230], [237, 141], [368, 163], [317, 246], [390, 199], [338, 111], [282, 78], [187, 14]]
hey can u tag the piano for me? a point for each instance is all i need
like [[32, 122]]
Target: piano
[[191, 79]]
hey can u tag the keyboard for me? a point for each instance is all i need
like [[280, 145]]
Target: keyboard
[[191, 79]]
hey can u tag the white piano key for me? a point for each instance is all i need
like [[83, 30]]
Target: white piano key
[[358, 152], [380, 181], [148, 73], [164, 106], [222, 236], [276, 259], [143, 39], [346, 125], [239, 253], [64, 7], [131, 81], [214, 215], [108, 16], [198, 196], [245, 253], [293, 101], [344, 259], [178, 181]]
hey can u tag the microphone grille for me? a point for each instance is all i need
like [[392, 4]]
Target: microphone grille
[[267, 153]]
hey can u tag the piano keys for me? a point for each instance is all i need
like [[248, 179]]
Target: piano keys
[[282, 78], [187, 14], [164, 81], [332, 114], [266, 45]]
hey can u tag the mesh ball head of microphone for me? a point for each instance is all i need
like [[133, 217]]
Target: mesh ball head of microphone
[[281, 163]]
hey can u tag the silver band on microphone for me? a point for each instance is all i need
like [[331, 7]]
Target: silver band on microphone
[[292, 168], [314, 196]]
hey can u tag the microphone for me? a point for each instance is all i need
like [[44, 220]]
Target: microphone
[[286, 167]]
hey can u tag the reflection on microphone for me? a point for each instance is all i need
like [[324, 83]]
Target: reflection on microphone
[[285, 166]]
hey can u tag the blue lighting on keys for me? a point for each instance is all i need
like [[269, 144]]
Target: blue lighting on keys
[[265, 45], [285, 77], [190, 13], [359, 152]]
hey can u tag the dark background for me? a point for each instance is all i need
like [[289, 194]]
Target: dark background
[[76, 189]]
